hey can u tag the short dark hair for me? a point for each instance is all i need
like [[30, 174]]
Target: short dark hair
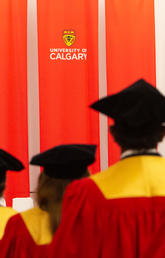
[[127, 140]]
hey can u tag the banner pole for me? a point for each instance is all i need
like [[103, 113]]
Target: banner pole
[[102, 85], [33, 90]]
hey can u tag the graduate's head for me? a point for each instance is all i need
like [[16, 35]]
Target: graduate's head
[[127, 140], [138, 113], [7, 162], [61, 165]]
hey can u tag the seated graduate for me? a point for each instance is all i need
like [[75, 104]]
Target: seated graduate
[[7, 162], [115, 213], [29, 233]]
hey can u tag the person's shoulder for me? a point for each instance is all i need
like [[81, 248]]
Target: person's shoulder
[[14, 221], [83, 191], [34, 217], [34, 212], [8, 215], [81, 186], [104, 176], [118, 180], [37, 222], [7, 211]]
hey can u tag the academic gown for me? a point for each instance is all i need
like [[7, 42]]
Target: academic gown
[[27, 235], [5, 214], [115, 213], [156, 247]]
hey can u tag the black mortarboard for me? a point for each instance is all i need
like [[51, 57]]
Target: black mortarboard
[[66, 161], [9, 162], [139, 105]]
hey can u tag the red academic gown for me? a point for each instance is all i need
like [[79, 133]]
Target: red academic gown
[[113, 214], [5, 215], [156, 247], [27, 235]]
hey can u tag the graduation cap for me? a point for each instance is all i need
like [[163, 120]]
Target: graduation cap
[[9, 162], [138, 106], [66, 161]]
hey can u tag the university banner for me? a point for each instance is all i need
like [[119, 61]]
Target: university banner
[[68, 72], [130, 36], [13, 92]]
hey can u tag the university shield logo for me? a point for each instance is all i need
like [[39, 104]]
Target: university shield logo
[[69, 37]]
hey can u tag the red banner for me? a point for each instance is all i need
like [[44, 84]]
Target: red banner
[[13, 91], [68, 72], [130, 48]]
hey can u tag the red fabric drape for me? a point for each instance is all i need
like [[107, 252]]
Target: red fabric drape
[[130, 48], [68, 86], [13, 91]]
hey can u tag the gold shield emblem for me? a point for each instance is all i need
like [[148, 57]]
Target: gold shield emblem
[[69, 37]]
